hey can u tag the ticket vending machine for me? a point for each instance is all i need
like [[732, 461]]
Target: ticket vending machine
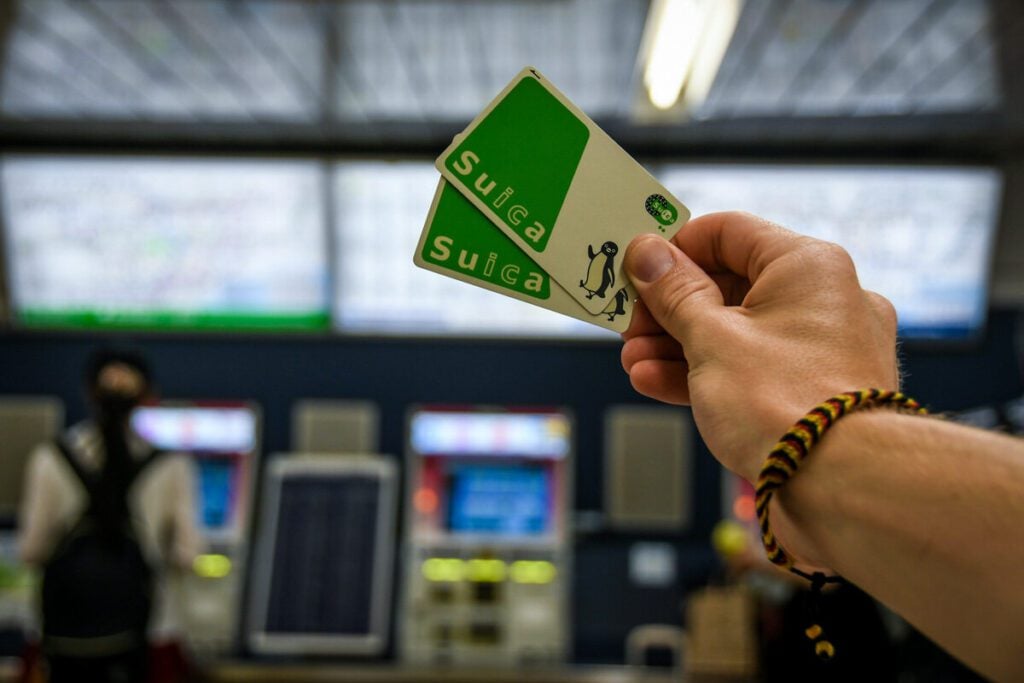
[[487, 548], [223, 439]]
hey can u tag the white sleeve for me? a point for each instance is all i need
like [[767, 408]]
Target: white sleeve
[[39, 514], [185, 540]]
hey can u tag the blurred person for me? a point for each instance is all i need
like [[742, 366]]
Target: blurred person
[[107, 519], [753, 326]]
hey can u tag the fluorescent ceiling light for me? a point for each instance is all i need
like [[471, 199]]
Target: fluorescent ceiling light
[[686, 41]]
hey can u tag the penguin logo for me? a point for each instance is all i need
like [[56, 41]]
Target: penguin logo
[[601, 270], [620, 304]]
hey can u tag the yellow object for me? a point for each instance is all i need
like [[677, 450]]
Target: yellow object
[[729, 538], [813, 632], [448, 569], [483, 570], [533, 571], [212, 566]]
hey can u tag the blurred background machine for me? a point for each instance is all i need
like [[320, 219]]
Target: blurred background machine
[[25, 422], [324, 558], [223, 437], [487, 548]]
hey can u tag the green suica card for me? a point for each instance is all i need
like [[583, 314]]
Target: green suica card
[[559, 188]]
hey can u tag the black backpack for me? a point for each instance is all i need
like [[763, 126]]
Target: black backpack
[[97, 587]]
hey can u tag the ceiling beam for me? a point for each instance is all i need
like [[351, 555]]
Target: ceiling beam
[[953, 136]]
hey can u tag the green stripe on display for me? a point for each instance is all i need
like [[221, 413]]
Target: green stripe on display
[[178, 320]]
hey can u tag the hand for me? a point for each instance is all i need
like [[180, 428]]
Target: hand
[[752, 325]]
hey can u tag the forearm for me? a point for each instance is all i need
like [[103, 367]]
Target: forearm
[[926, 516]]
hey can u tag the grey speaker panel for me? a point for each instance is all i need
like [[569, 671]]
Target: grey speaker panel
[[648, 467], [320, 426]]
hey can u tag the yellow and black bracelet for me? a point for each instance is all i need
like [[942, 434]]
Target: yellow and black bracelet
[[783, 462]]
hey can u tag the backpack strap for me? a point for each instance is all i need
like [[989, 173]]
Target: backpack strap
[[86, 478], [152, 456]]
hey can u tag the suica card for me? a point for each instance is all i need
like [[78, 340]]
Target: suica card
[[564, 194]]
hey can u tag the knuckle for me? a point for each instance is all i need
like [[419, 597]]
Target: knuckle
[[765, 224], [836, 254], [884, 308], [827, 255]]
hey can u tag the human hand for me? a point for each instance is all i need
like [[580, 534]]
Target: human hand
[[752, 325]]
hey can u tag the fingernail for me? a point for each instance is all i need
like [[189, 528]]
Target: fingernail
[[649, 259]]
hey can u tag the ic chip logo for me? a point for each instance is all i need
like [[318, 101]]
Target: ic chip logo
[[661, 209]]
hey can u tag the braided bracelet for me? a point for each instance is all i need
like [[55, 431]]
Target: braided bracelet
[[787, 456]]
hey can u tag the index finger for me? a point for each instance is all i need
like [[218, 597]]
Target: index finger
[[735, 242]]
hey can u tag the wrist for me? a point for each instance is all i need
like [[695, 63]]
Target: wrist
[[830, 427], [810, 513]]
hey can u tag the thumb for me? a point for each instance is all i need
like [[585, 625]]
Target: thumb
[[674, 288]]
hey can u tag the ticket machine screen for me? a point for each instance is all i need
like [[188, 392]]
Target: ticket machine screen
[[500, 500], [218, 490]]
